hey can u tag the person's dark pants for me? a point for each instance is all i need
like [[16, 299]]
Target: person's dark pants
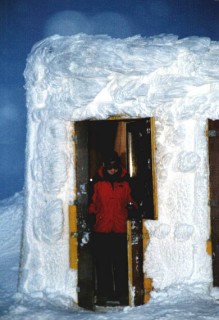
[[110, 252]]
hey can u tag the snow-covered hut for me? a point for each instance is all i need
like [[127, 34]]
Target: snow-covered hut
[[81, 87]]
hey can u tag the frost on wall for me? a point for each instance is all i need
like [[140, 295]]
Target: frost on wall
[[81, 77]]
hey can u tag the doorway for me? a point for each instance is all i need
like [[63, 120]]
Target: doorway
[[133, 140]]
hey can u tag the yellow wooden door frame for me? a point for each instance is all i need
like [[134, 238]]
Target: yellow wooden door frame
[[73, 241]]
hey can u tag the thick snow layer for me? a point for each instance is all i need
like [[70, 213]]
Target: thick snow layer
[[176, 302], [82, 77]]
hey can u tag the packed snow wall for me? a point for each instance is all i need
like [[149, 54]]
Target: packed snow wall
[[81, 77]]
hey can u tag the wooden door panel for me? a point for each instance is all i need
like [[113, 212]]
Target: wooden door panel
[[215, 272], [141, 165], [215, 250], [135, 263], [215, 238], [85, 260], [213, 145], [215, 226]]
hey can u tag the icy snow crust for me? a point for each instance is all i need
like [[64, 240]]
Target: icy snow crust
[[176, 302], [82, 77]]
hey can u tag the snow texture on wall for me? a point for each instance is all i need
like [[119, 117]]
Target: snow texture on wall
[[81, 77]]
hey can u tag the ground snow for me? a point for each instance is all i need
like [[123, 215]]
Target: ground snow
[[179, 302]]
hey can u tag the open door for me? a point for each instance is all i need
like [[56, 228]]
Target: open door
[[213, 146], [141, 166], [85, 262]]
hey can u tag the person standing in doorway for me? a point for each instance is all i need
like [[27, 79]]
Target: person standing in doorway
[[108, 213]]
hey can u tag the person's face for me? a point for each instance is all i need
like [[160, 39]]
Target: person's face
[[112, 168], [112, 171]]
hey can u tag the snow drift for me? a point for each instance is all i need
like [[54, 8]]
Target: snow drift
[[176, 302]]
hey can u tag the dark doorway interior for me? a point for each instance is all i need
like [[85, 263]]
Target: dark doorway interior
[[131, 139], [109, 249], [102, 137]]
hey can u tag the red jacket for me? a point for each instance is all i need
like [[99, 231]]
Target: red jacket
[[109, 202]]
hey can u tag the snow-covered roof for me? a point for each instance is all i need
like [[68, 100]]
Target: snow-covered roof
[[84, 76]]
